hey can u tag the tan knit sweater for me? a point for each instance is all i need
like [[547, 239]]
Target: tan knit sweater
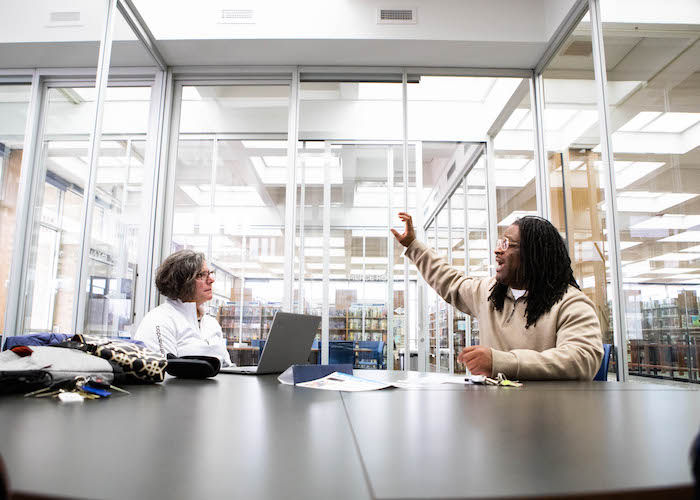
[[565, 343]]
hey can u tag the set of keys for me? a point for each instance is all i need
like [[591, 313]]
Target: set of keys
[[499, 380], [77, 389]]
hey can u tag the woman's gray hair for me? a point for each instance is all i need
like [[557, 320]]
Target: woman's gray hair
[[175, 278]]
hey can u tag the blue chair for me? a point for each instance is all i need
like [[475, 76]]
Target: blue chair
[[373, 359], [341, 352], [603, 371], [260, 344], [315, 354]]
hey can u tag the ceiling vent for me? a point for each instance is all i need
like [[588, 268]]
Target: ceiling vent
[[397, 16], [581, 48], [64, 18], [237, 16]]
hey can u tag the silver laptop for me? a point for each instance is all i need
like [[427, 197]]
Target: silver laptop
[[288, 343]]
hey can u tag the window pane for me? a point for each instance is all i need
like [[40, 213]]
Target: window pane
[[349, 137], [14, 101], [515, 164], [58, 210], [654, 94], [229, 202], [572, 138], [118, 225]]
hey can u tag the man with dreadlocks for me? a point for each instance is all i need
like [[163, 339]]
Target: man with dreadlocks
[[534, 321]]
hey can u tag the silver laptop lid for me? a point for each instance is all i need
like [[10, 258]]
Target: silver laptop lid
[[289, 341]]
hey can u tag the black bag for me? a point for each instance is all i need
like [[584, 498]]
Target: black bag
[[132, 363], [24, 381], [193, 366]]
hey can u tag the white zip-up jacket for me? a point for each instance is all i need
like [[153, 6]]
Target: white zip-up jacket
[[173, 327]]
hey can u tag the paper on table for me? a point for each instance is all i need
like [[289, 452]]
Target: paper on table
[[337, 381], [428, 381]]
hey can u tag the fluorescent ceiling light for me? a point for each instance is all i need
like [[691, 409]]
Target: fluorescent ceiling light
[[627, 172], [636, 269], [686, 236], [673, 256], [687, 276], [624, 245], [668, 221], [644, 201], [513, 216], [639, 121], [673, 270], [696, 248], [673, 123]]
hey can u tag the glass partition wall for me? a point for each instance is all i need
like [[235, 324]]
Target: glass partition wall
[[118, 227], [653, 80], [14, 102], [577, 199], [362, 148], [228, 201]]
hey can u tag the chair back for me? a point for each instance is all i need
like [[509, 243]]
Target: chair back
[[602, 374], [341, 352]]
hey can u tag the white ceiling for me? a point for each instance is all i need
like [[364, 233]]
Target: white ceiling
[[460, 33]]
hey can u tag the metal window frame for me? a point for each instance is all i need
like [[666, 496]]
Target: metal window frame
[[612, 223]]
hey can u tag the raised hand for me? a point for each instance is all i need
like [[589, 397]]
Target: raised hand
[[407, 237]]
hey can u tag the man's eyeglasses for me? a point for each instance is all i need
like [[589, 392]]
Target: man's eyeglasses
[[504, 243], [205, 275]]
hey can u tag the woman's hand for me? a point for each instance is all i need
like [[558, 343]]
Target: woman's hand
[[406, 238]]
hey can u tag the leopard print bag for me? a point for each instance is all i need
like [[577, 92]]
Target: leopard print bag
[[132, 363]]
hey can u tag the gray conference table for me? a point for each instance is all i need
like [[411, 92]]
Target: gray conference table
[[250, 437]]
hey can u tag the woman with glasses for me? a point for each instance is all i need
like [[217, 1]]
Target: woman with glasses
[[534, 321], [180, 326]]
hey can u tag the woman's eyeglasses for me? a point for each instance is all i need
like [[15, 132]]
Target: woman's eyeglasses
[[205, 275], [504, 243]]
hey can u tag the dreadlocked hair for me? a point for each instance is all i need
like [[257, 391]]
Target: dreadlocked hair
[[545, 268]]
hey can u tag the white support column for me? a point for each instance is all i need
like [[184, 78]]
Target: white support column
[[80, 295], [450, 309], [390, 264], [29, 180], [437, 303], [325, 334], [168, 189], [422, 315], [157, 158], [468, 319], [492, 228], [406, 281], [612, 223], [542, 191], [302, 215], [290, 201]]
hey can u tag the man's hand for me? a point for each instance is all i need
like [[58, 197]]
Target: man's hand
[[406, 238], [478, 359]]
